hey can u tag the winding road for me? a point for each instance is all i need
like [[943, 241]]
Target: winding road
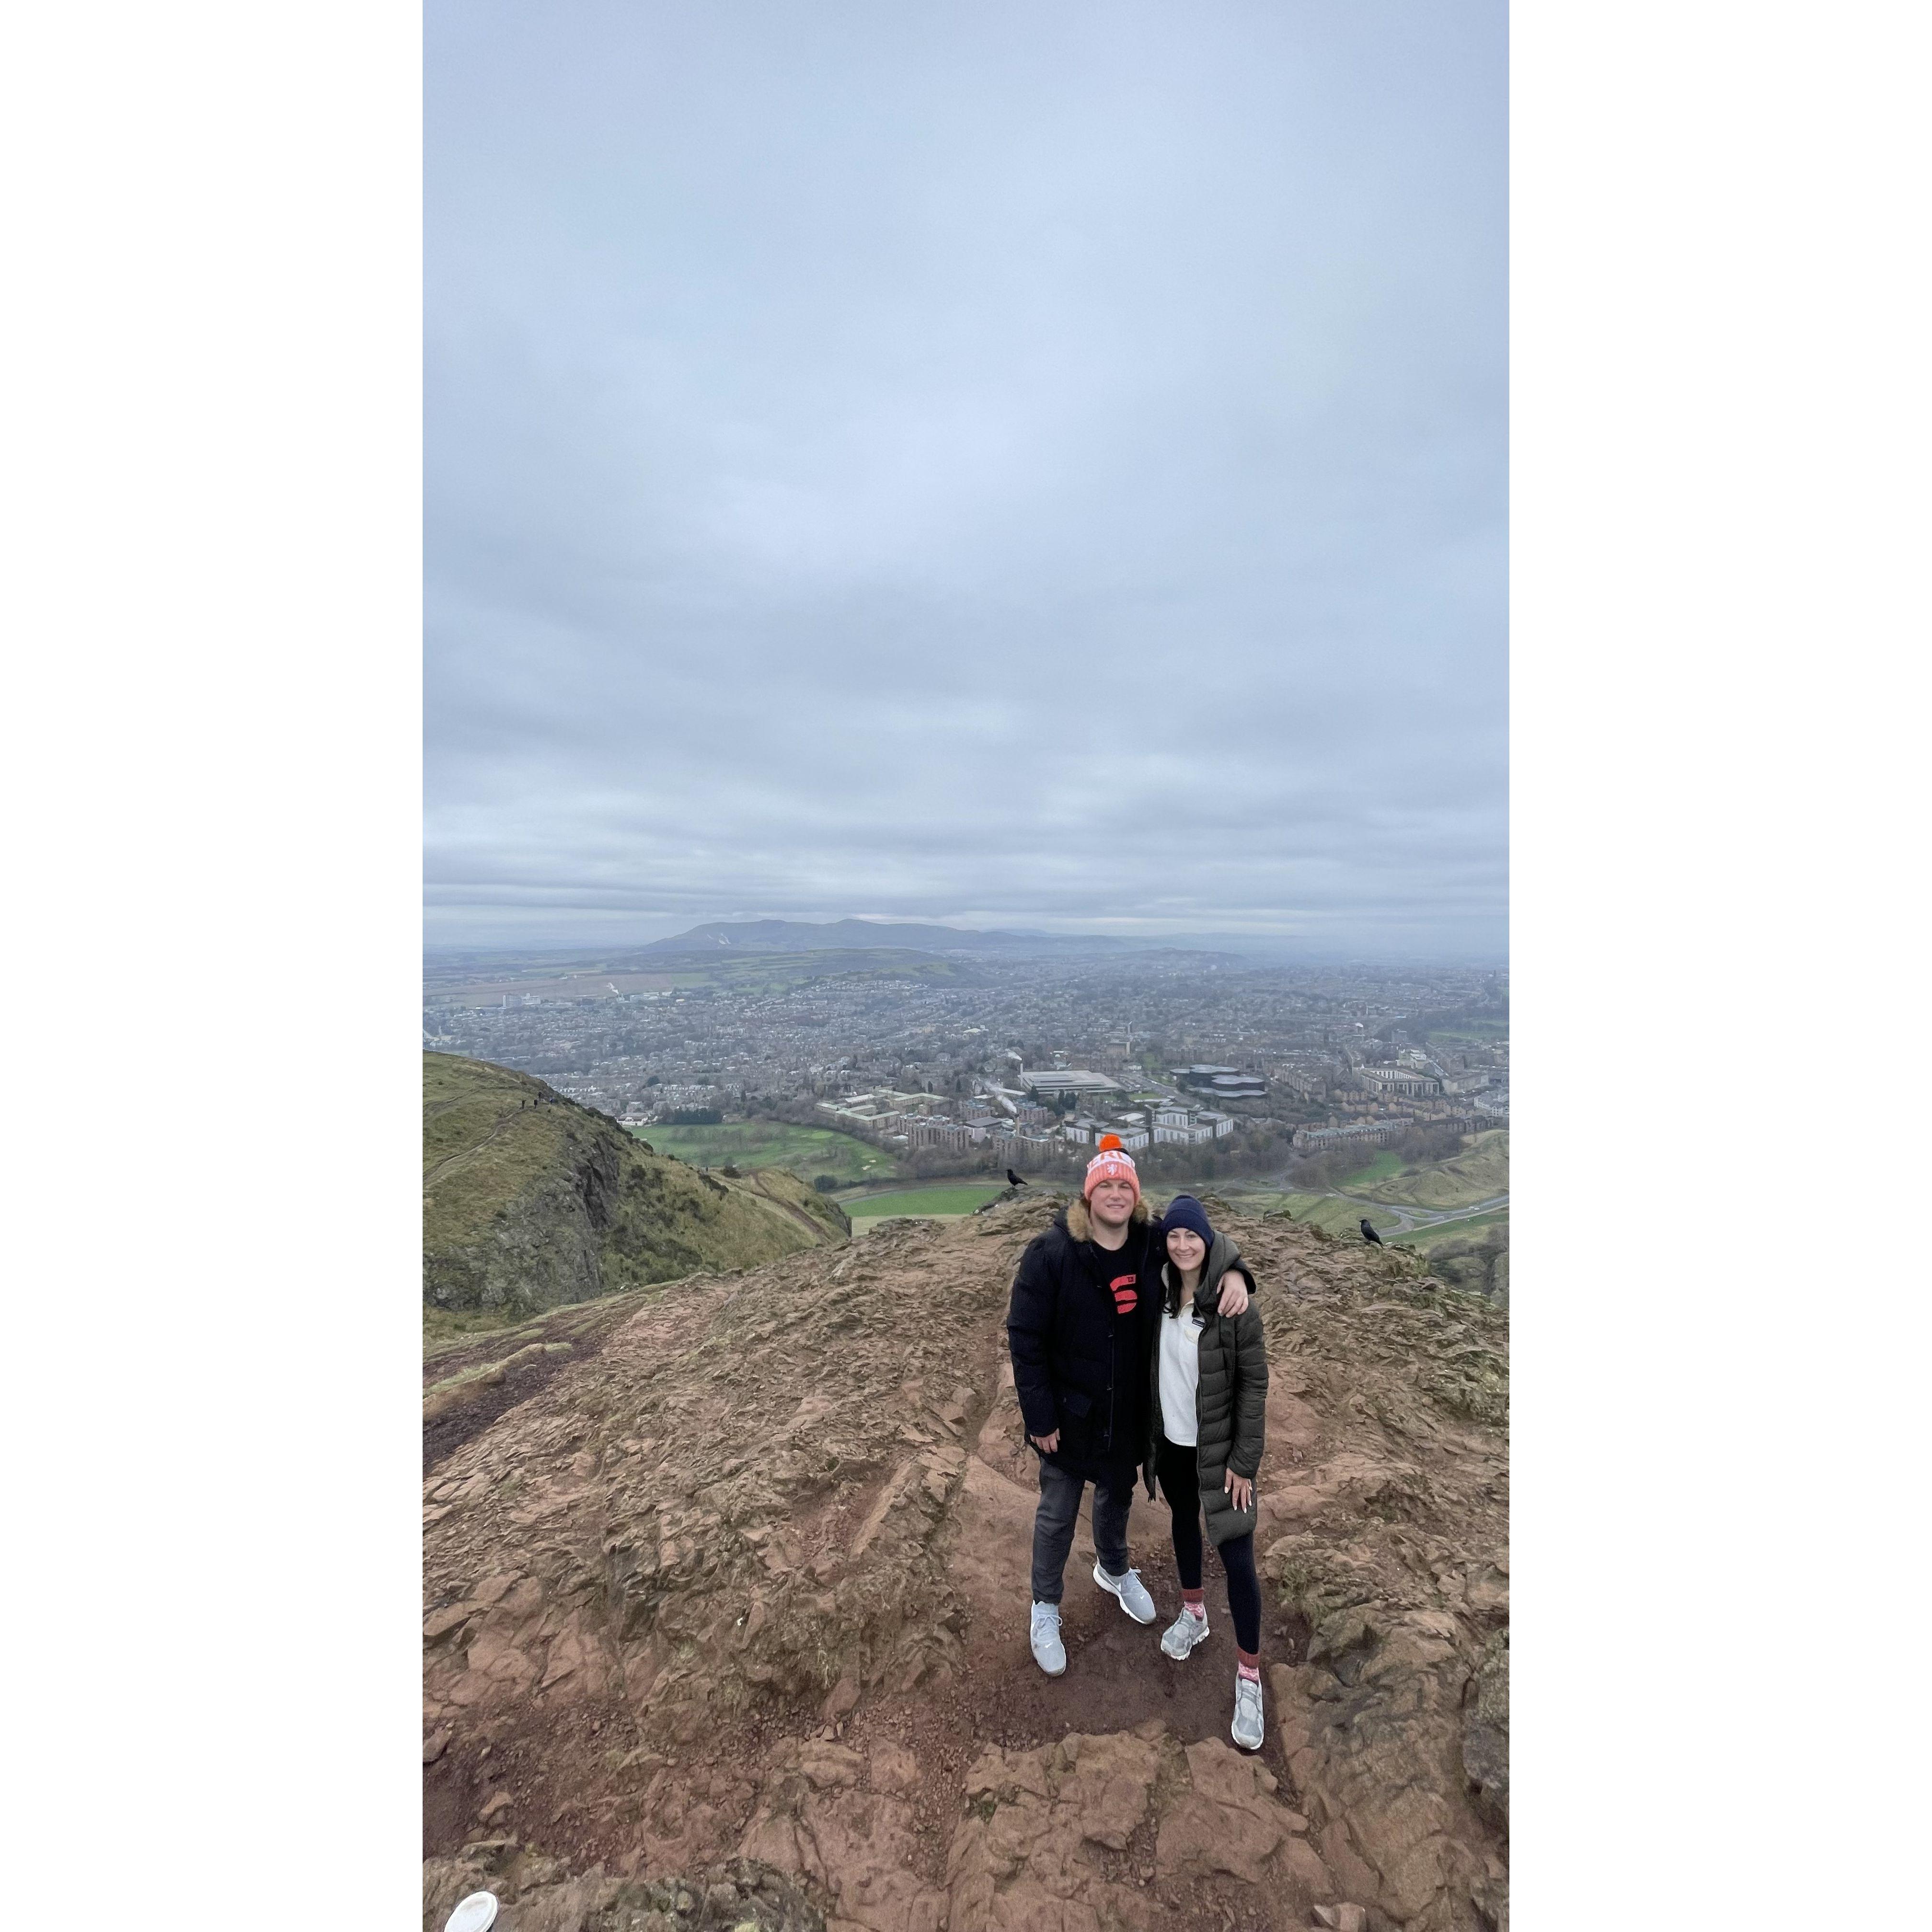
[[1409, 1220]]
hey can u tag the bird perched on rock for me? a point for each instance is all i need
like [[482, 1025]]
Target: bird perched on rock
[[1013, 1180], [1369, 1234]]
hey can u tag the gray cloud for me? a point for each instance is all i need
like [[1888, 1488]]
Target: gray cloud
[[1038, 466]]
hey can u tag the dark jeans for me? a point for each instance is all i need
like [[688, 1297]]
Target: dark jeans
[[1180, 1480], [1060, 1489]]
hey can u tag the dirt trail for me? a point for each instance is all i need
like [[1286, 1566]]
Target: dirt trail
[[789, 1209], [750, 1580], [451, 1162]]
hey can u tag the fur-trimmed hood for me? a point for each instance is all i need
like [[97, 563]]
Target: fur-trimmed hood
[[1079, 1223]]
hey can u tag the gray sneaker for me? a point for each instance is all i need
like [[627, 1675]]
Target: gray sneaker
[[1247, 1730], [1048, 1652], [1134, 1599], [1183, 1634]]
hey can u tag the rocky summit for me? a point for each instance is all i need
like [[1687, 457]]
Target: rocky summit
[[734, 1601]]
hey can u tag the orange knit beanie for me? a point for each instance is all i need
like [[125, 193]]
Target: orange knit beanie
[[1113, 1163]]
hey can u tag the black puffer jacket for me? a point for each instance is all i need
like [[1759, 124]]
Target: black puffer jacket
[[1230, 1402], [1079, 1366]]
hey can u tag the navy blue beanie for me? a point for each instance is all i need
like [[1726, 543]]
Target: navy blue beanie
[[1184, 1211]]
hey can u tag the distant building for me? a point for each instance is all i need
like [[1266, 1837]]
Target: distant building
[[875, 1110], [1409, 1082], [1309, 1082], [1240, 1086], [1050, 1082], [1311, 1138], [1229, 1083]]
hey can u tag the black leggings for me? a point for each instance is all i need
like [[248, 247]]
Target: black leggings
[[1175, 1467]]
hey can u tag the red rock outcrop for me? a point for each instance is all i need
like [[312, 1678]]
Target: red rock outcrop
[[748, 1580]]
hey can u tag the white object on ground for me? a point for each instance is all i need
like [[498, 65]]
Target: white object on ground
[[476, 1913]]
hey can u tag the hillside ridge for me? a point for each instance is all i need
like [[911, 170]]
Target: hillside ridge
[[531, 1201], [792, 935]]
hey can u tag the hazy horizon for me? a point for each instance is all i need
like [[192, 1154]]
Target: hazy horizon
[[1274, 947], [1018, 469]]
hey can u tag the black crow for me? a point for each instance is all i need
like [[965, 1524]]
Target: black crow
[[1369, 1234], [1013, 1180]]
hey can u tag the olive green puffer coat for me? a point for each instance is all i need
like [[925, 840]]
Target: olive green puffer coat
[[1230, 1402]]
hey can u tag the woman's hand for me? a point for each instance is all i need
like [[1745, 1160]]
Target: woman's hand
[[1234, 1300], [1045, 1444], [1240, 1491]]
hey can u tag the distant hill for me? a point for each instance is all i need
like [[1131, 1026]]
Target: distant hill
[[530, 1200], [791, 935]]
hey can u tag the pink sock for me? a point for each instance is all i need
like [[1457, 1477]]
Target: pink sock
[[1249, 1665], [1194, 1602]]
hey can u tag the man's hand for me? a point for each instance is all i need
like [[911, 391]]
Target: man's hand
[[1234, 1293], [1045, 1444], [1241, 1490]]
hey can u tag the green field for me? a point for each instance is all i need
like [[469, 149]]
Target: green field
[[918, 1201], [1386, 1164], [807, 1151]]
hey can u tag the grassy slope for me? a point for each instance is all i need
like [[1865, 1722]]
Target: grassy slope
[[1426, 1241], [1479, 1173], [806, 1151], [1331, 1212], [525, 1206], [1384, 1166]]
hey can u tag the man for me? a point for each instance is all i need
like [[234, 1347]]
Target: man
[[1081, 1328]]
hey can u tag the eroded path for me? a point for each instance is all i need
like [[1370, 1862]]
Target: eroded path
[[450, 1162], [751, 1580]]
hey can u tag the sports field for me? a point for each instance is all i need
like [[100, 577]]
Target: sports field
[[937, 1200], [807, 1151]]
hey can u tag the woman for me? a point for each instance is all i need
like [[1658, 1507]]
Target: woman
[[1210, 1383]]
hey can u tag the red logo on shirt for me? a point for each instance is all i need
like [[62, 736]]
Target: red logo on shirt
[[1126, 1293]]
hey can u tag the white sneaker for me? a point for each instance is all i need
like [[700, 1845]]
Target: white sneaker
[[1183, 1634], [1246, 1730], [1048, 1652], [1134, 1599]]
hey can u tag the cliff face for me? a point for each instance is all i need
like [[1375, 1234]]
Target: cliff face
[[742, 1573], [530, 1201]]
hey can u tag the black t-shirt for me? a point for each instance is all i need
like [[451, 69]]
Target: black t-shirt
[[1131, 1274]]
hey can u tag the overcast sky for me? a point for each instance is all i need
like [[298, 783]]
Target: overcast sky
[[1036, 465]]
